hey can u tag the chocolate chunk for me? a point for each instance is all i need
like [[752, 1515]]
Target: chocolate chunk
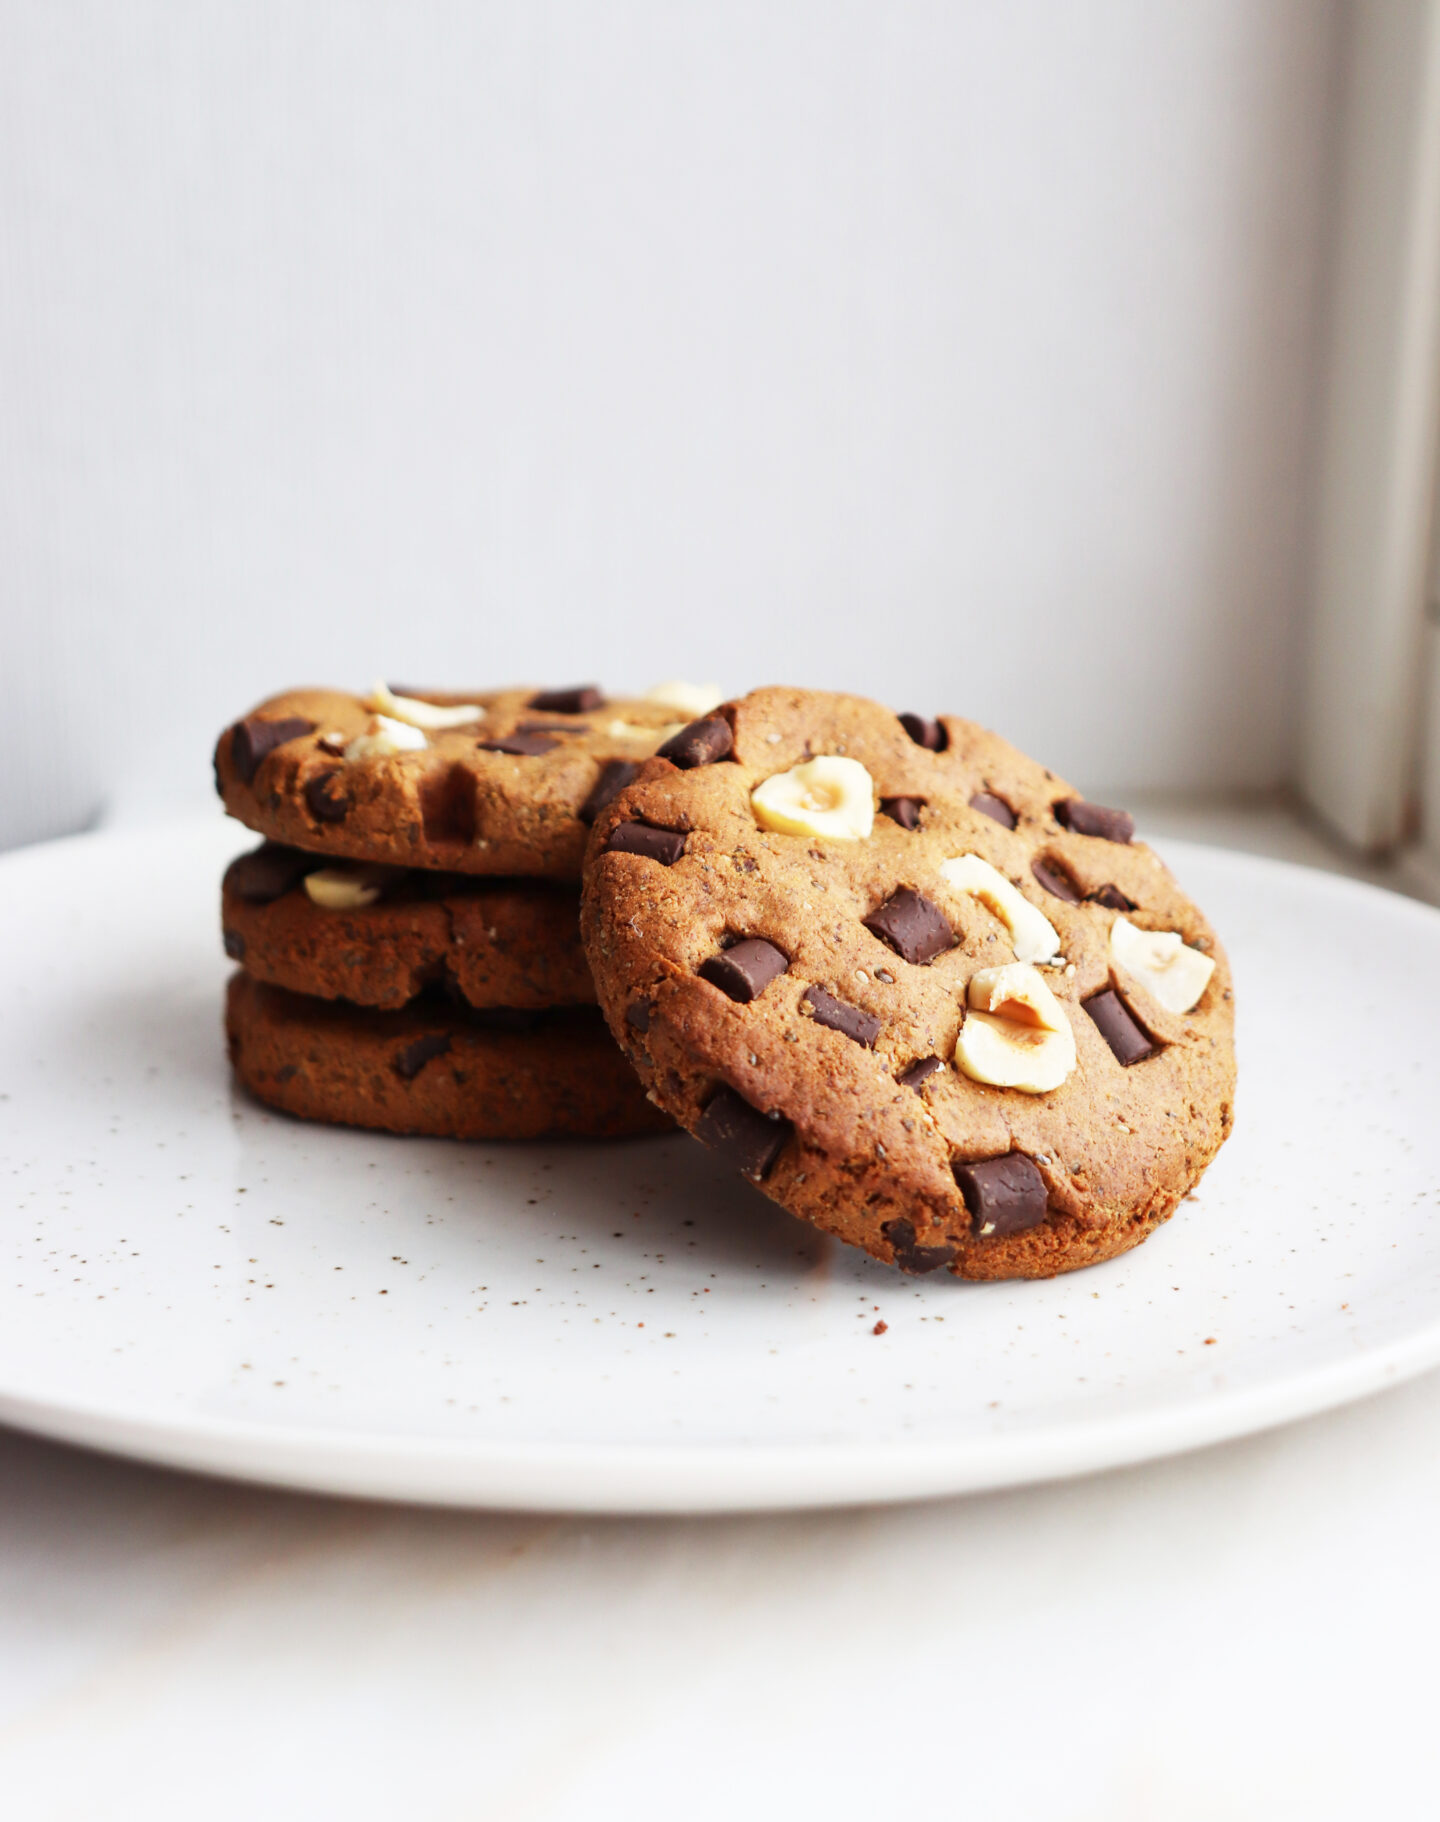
[[577, 701], [744, 1137], [919, 1073], [551, 727], [252, 739], [904, 810], [447, 804], [914, 928], [1083, 818], [1004, 1195], [408, 1063], [1119, 1027], [327, 797], [701, 743], [664, 845], [269, 872], [523, 746], [849, 1020], [996, 808], [1056, 881], [928, 734], [615, 774], [638, 1014], [234, 945], [1112, 898], [912, 1258], [745, 969]]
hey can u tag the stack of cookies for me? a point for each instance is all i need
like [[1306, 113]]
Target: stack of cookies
[[408, 933], [904, 979]]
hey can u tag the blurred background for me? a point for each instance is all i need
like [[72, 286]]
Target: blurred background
[[967, 355]]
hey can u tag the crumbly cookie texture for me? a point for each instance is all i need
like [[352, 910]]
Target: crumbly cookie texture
[[798, 1000], [435, 1069], [380, 936], [495, 782]]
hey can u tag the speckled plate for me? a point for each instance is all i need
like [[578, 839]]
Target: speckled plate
[[192, 1280]]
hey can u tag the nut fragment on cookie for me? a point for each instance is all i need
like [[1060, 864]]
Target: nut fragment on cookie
[[1016, 1034], [347, 888], [693, 699], [639, 733], [1176, 974], [383, 700], [830, 795], [1031, 932], [384, 737]]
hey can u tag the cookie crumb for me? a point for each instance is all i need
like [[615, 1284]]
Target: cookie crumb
[[880, 1328]]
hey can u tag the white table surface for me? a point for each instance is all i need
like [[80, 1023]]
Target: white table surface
[[1244, 1632]]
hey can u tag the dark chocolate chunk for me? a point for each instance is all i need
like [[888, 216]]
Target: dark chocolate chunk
[[615, 774], [269, 872], [551, 727], [638, 1014], [996, 808], [928, 734], [919, 1073], [904, 810], [914, 928], [327, 797], [523, 746], [849, 1020], [664, 845], [1056, 881], [408, 1063], [745, 969], [1083, 818], [744, 1137], [912, 1258], [1004, 1195], [578, 701], [447, 803], [701, 743], [253, 738], [1119, 1027], [1112, 898], [234, 945]]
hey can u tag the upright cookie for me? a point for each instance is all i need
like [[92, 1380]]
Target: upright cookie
[[379, 936], [912, 984], [495, 782], [434, 1068]]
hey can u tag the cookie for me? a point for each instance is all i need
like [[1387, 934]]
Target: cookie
[[379, 936], [435, 1069], [913, 985], [498, 782]]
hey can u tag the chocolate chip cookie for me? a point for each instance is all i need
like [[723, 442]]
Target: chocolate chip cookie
[[435, 1068], [911, 984], [379, 936], [494, 782]]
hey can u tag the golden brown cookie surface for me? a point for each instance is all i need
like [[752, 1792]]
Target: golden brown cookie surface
[[379, 936], [434, 1069], [509, 789], [918, 991]]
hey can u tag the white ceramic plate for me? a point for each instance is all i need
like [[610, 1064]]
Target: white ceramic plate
[[187, 1278]]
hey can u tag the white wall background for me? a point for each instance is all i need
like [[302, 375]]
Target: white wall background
[[956, 352]]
